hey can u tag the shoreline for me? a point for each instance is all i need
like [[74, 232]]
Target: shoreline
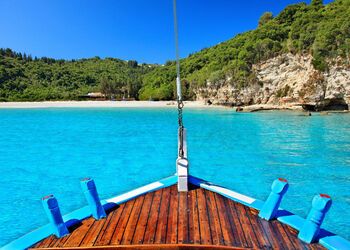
[[153, 104], [103, 104]]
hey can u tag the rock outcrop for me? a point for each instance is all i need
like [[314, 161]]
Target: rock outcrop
[[286, 80]]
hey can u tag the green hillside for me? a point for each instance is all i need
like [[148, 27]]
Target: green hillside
[[23, 78], [323, 31], [317, 29]]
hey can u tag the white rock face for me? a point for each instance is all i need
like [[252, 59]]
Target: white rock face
[[285, 79], [338, 83]]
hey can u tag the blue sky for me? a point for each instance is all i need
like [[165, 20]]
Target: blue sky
[[128, 29]]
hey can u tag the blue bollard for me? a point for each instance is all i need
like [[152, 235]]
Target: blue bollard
[[54, 214], [278, 189], [311, 228], [90, 192]]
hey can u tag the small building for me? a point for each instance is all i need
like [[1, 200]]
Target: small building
[[98, 96]]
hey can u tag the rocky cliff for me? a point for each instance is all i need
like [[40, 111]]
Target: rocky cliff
[[286, 80]]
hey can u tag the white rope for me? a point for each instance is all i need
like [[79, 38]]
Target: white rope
[[178, 85], [178, 81]]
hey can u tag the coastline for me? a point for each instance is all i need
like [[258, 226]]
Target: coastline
[[103, 104], [153, 104]]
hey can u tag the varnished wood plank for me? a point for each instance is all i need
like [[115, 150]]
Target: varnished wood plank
[[105, 237], [182, 236], [278, 236], [93, 233], [166, 216], [172, 217], [315, 246], [238, 234], [203, 218], [120, 228], [134, 217], [43, 243], [79, 233], [105, 226], [153, 218], [160, 236], [46, 242], [270, 234], [282, 235], [227, 230], [194, 233], [292, 235], [59, 242], [262, 238], [214, 221], [246, 225], [144, 215]]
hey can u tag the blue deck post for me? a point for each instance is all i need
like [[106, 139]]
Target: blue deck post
[[311, 228], [54, 214], [278, 189], [90, 192]]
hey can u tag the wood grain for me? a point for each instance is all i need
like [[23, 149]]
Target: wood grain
[[166, 219]]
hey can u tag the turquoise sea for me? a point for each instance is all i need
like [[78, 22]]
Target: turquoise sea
[[47, 151]]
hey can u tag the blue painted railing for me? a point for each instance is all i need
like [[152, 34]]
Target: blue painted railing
[[309, 229]]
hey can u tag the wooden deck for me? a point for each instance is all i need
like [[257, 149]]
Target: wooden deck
[[166, 219]]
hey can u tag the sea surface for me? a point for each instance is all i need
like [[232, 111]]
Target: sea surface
[[47, 151]]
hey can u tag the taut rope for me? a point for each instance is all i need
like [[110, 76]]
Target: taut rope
[[180, 104]]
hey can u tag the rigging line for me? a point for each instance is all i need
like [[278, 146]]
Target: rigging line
[[177, 45], [176, 33], [178, 83]]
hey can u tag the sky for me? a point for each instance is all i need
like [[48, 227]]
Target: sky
[[139, 30]]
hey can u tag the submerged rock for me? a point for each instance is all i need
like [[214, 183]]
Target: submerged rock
[[239, 109]]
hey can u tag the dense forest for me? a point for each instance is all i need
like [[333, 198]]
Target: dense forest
[[23, 78], [317, 29]]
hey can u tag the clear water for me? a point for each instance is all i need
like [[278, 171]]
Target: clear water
[[44, 151]]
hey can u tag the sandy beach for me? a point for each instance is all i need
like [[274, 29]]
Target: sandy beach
[[146, 104], [102, 104], [139, 104]]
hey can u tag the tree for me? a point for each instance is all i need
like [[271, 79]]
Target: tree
[[317, 3], [104, 86], [107, 87], [290, 13], [322, 31], [132, 64], [267, 16], [347, 50]]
